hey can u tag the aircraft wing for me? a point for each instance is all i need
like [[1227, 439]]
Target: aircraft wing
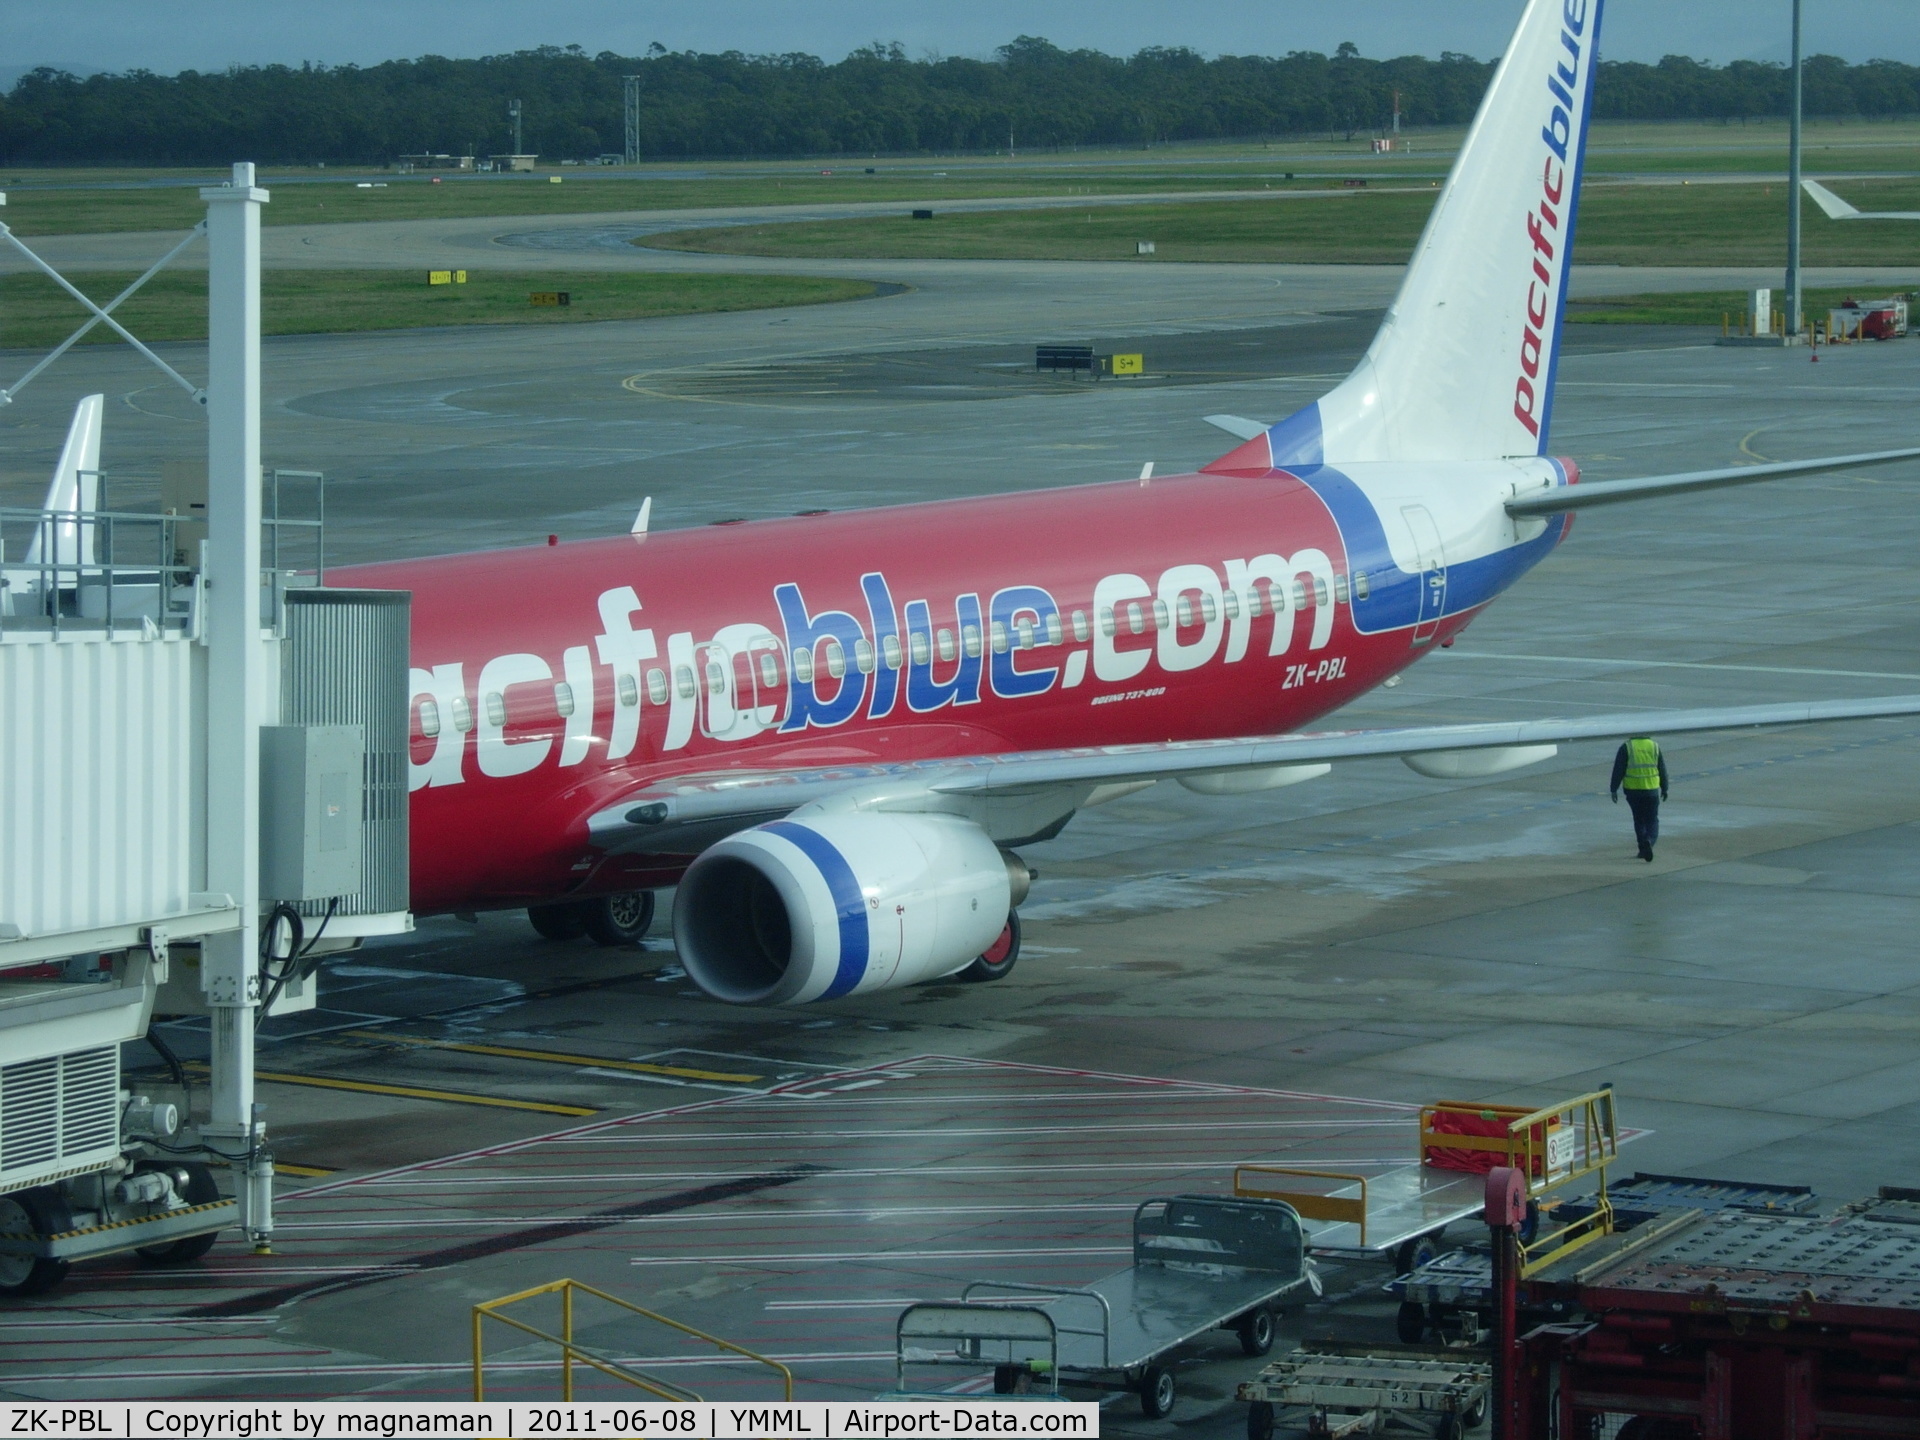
[[685, 814]]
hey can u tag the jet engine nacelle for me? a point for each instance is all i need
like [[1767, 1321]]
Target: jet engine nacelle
[[831, 905]]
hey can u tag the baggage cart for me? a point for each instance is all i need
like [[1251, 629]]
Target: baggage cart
[[1200, 1263], [1332, 1394]]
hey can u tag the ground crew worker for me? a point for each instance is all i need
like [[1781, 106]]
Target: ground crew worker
[[1642, 770]]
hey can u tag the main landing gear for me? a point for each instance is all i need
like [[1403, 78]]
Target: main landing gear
[[609, 919], [999, 958]]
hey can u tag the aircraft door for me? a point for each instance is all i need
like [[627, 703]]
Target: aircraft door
[[767, 681], [1432, 579], [720, 712]]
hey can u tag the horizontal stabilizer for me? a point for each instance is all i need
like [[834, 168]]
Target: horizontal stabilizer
[[1560, 499], [1237, 425]]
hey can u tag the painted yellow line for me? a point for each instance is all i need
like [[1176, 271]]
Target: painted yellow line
[[415, 1092], [555, 1057], [281, 1167]]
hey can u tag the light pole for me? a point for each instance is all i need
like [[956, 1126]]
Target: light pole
[[1793, 188]]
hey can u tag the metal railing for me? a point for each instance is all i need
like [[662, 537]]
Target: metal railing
[[98, 571], [93, 570], [570, 1352], [1310, 1204]]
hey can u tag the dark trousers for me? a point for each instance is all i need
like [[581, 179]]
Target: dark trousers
[[1645, 805]]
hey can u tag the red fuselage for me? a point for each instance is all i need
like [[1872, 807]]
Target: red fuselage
[[550, 682]]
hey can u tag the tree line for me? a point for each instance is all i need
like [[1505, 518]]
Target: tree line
[[876, 101]]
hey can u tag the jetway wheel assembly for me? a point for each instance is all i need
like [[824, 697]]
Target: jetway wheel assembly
[[194, 1183], [26, 1214], [1000, 957]]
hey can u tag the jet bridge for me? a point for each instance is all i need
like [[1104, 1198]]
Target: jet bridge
[[202, 793]]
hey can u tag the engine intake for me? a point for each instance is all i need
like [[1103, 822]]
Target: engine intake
[[831, 905]]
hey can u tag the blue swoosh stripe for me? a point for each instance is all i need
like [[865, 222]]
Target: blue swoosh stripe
[[850, 906]]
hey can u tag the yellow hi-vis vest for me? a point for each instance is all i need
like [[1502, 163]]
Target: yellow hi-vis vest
[[1643, 765]]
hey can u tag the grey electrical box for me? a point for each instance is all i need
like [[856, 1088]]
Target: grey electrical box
[[312, 795]]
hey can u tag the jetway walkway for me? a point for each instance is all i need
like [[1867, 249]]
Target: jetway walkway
[[158, 675]]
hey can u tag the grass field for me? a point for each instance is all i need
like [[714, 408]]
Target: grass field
[[1699, 307], [173, 306], [1667, 224], [67, 201]]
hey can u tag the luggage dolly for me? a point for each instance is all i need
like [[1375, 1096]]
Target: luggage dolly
[[1200, 1263], [1333, 1395]]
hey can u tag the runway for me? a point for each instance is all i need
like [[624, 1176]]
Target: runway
[[1753, 995]]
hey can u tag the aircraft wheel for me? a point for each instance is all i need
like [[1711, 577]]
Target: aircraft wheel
[[999, 958], [1256, 1331], [620, 919], [1158, 1391], [196, 1186], [25, 1214], [566, 921]]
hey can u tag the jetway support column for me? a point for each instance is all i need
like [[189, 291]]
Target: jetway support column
[[236, 677]]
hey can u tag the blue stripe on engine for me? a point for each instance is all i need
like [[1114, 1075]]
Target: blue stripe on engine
[[850, 906]]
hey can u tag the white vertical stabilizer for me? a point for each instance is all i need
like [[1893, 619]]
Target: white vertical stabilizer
[[75, 487], [1463, 366]]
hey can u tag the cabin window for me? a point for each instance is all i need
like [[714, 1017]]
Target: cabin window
[[563, 699], [1230, 603], [1184, 610], [769, 670], [1319, 592], [1082, 631], [836, 660], [462, 714], [496, 709], [803, 666], [1107, 627], [863, 656], [918, 648], [1136, 622], [970, 640], [624, 687], [716, 678], [1299, 596], [1162, 620], [890, 652], [683, 682], [1253, 602], [998, 632], [1023, 628], [1339, 589], [657, 686], [1054, 633], [1361, 589], [429, 719], [946, 645]]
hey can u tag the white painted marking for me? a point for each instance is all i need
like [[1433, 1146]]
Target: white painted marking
[[1182, 1126], [626, 1177], [871, 1257]]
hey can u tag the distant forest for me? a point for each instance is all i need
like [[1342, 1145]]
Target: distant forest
[[876, 101]]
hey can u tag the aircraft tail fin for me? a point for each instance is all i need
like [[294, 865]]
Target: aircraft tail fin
[[74, 490], [1836, 208], [1463, 366]]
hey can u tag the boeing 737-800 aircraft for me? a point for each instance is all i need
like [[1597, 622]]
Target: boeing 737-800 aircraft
[[833, 733]]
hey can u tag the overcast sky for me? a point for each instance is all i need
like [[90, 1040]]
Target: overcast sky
[[172, 35]]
